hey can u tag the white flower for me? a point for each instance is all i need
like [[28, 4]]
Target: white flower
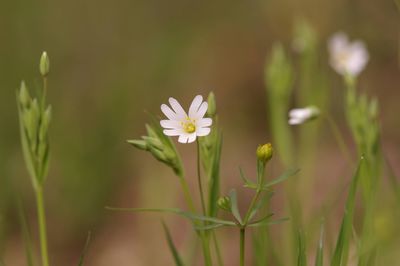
[[187, 126], [347, 58], [300, 115]]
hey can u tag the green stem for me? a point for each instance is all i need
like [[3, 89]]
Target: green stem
[[203, 205], [186, 194], [242, 244], [42, 226], [44, 92], [217, 249]]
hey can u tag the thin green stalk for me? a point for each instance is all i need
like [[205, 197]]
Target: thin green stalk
[[217, 249], [42, 226], [186, 194], [242, 245], [339, 138], [44, 92], [203, 205]]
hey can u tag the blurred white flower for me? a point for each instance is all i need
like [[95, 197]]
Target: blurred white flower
[[301, 115], [347, 58], [187, 126]]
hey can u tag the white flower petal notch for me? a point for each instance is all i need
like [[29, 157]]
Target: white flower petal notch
[[187, 126], [299, 116], [347, 58]]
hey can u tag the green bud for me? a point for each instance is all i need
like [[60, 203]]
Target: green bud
[[154, 142], [212, 105], [44, 126], [264, 152], [24, 97], [224, 203], [140, 144], [44, 65], [150, 131]]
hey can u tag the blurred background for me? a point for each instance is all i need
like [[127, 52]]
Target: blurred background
[[111, 61]]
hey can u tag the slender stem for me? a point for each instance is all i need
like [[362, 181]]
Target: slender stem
[[252, 203], [186, 194], [242, 244], [44, 92], [217, 249], [339, 138], [42, 226], [203, 205]]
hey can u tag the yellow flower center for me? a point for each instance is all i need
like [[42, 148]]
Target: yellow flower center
[[189, 126]]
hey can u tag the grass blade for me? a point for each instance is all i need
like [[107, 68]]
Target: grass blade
[[214, 183], [342, 245], [319, 259], [301, 257], [171, 245], [85, 248]]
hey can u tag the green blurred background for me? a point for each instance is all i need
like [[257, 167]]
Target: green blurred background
[[111, 61]]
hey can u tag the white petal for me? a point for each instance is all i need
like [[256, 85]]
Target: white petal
[[183, 138], [203, 131], [201, 112], [194, 107], [168, 112], [337, 43], [300, 113], [295, 121], [204, 122], [171, 124], [172, 132], [180, 113], [192, 137]]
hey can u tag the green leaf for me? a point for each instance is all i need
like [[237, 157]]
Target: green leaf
[[266, 223], [171, 245], [191, 216], [214, 184], [302, 257], [234, 206], [263, 218], [342, 245], [281, 178], [248, 182], [319, 258], [264, 200], [85, 248]]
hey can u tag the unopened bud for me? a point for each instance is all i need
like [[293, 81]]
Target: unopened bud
[[44, 65], [24, 97], [224, 203], [212, 105], [264, 152]]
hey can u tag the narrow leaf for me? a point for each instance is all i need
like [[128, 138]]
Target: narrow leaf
[[281, 178], [301, 257], [191, 216], [234, 205], [319, 259], [171, 245], [266, 223], [342, 245], [214, 186]]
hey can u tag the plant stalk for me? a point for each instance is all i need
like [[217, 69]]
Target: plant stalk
[[242, 245], [42, 226]]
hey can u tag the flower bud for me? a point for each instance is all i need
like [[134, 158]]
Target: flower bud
[[44, 65], [212, 105], [264, 152], [224, 203], [24, 97]]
